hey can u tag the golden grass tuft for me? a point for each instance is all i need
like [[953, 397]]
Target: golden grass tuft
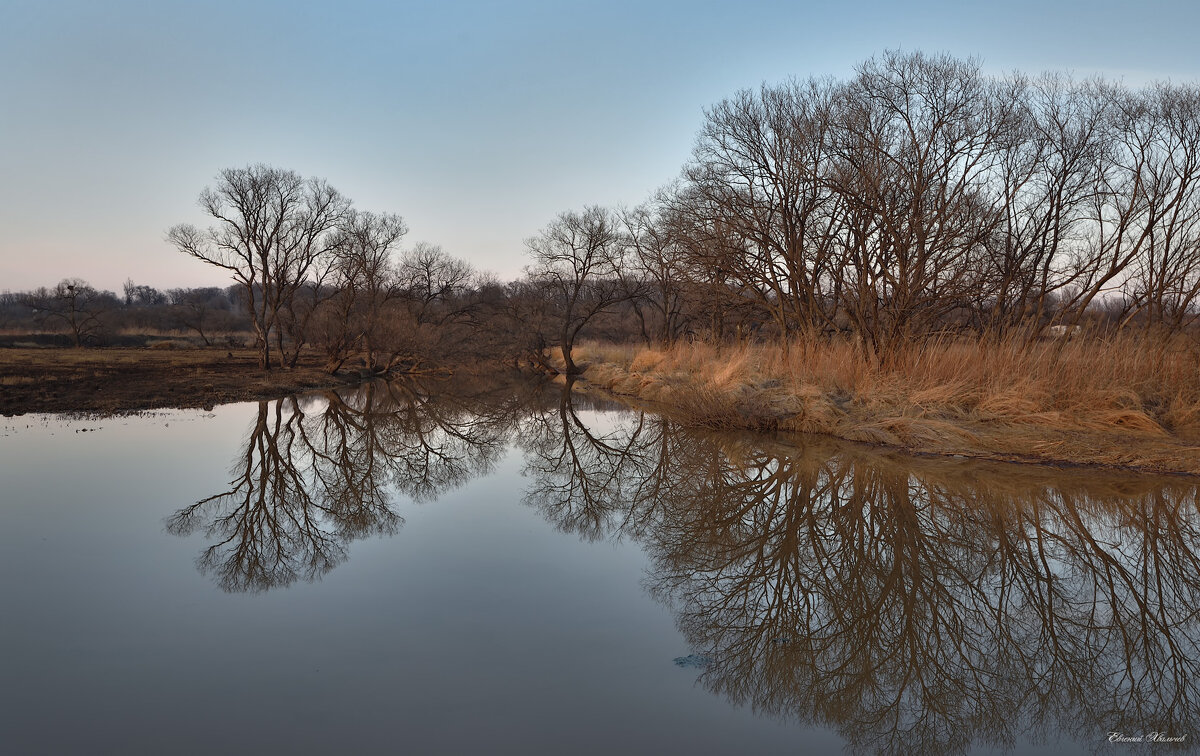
[[647, 359]]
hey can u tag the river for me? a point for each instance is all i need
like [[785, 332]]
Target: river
[[457, 567]]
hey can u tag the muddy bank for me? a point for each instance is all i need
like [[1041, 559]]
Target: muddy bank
[[118, 379]]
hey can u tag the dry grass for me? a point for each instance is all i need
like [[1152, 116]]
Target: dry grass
[[1123, 401]]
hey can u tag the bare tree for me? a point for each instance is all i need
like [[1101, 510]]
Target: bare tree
[[272, 228], [916, 141], [141, 295], [74, 304], [1164, 284], [579, 264], [657, 260], [364, 280], [1044, 180], [756, 191], [194, 309], [429, 277], [434, 290]]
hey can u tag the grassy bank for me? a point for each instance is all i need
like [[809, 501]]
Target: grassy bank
[[1121, 403]]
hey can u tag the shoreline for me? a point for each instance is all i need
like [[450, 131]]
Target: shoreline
[[116, 380], [788, 438], [119, 379], [771, 404]]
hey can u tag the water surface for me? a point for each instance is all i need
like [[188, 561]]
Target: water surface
[[448, 568]]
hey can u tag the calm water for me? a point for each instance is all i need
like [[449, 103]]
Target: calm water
[[458, 569]]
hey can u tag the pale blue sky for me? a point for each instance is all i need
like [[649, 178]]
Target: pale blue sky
[[476, 121]]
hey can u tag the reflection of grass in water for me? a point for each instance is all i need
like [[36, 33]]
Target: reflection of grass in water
[[1122, 402], [963, 474]]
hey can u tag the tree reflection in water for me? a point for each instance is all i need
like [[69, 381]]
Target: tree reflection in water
[[319, 472], [916, 606]]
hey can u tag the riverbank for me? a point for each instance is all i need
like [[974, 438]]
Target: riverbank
[[120, 379], [1123, 404]]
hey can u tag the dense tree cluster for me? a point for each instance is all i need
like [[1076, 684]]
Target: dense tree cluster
[[921, 196], [918, 198]]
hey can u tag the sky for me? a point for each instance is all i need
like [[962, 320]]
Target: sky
[[477, 122]]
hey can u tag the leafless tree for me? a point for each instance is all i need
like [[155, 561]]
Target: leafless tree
[[75, 305], [430, 277], [194, 309], [1045, 178], [579, 263], [756, 191], [916, 143], [1164, 284], [657, 259], [272, 228], [141, 295], [364, 281]]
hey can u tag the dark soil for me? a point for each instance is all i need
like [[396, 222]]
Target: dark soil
[[121, 379]]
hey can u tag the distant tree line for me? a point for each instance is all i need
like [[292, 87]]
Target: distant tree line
[[87, 316]]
